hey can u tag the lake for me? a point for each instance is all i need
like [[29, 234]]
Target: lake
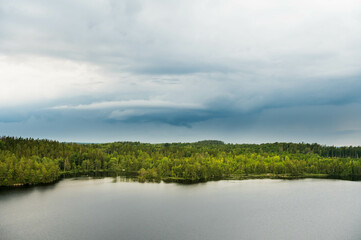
[[119, 208]]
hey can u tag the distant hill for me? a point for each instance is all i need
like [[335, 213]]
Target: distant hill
[[210, 142]]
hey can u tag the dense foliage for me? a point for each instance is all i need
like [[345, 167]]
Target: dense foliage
[[33, 161]]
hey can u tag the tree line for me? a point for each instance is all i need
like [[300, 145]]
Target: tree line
[[34, 161]]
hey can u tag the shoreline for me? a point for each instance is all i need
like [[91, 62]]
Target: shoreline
[[134, 176]]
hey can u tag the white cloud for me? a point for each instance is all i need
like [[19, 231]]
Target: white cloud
[[130, 104], [32, 79]]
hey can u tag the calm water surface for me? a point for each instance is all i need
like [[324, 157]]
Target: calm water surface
[[250, 209]]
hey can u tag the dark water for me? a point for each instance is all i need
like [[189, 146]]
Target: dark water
[[249, 209]]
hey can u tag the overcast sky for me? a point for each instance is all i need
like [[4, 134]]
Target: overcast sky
[[174, 71]]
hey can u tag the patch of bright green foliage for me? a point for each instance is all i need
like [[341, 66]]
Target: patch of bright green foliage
[[34, 161]]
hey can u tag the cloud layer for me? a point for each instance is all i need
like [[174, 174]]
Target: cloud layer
[[240, 71]]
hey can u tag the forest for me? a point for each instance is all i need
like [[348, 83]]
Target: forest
[[27, 161]]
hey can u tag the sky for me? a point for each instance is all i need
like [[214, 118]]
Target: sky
[[240, 71]]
